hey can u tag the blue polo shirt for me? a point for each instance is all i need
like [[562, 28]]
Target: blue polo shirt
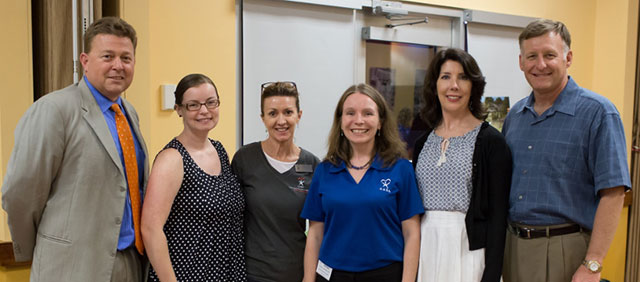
[[563, 157], [362, 221], [127, 234]]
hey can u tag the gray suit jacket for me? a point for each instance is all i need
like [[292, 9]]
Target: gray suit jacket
[[64, 191]]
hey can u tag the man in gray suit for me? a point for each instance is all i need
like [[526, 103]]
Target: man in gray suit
[[71, 208]]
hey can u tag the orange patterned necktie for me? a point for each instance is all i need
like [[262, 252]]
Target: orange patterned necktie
[[131, 167]]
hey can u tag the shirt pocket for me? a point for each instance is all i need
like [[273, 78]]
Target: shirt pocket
[[563, 158]]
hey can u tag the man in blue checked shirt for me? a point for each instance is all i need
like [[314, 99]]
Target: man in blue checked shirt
[[569, 167]]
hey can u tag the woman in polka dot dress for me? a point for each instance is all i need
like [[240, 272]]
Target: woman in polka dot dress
[[192, 215]]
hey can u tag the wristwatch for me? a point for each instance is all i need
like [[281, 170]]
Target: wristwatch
[[592, 265]]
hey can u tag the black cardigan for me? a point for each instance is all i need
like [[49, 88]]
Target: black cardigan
[[486, 219]]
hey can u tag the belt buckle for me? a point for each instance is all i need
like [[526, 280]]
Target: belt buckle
[[528, 230]]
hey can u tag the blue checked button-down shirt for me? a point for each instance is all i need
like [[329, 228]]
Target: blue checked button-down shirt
[[562, 158]]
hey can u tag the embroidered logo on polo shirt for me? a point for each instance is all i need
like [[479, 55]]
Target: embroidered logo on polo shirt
[[385, 185], [300, 187]]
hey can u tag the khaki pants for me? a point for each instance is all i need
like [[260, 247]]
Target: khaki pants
[[127, 266], [553, 259]]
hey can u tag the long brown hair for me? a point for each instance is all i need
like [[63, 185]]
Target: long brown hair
[[387, 145], [431, 111]]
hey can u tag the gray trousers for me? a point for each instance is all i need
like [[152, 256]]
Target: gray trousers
[[127, 266], [553, 259]]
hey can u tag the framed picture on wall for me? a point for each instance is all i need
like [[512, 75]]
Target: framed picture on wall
[[496, 109]]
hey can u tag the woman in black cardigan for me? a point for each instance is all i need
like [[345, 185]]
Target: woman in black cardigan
[[463, 168]]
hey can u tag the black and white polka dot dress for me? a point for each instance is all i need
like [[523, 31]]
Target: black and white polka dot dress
[[204, 229]]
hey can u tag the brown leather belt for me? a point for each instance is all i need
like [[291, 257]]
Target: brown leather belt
[[538, 232]]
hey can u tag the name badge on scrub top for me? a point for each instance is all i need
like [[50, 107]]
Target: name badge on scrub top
[[303, 168], [324, 270]]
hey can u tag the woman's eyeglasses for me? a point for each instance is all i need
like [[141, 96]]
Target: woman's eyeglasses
[[196, 106]]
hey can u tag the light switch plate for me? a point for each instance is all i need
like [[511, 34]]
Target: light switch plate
[[168, 98]]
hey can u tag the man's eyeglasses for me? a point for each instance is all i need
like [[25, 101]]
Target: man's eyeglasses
[[282, 84], [195, 106]]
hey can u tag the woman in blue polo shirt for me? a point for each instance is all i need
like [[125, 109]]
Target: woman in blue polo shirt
[[363, 204]]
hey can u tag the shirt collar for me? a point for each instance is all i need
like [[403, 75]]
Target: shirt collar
[[376, 164], [103, 102], [565, 103]]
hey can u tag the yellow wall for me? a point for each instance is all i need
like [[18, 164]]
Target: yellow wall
[[14, 274], [177, 38], [180, 37], [15, 76], [614, 55], [16, 96]]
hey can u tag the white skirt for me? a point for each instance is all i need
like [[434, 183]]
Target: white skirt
[[444, 250]]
